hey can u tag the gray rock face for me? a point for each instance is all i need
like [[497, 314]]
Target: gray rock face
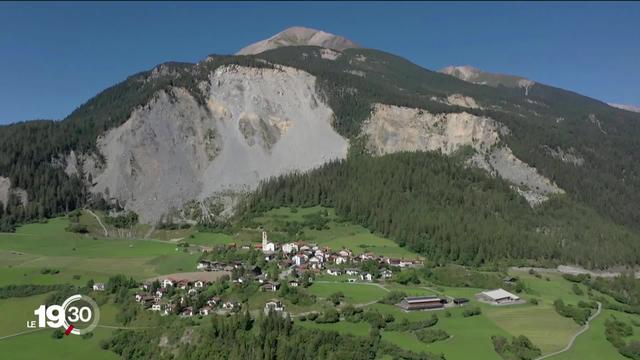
[[393, 128], [299, 36], [476, 76], [256, 123], [6, 190]]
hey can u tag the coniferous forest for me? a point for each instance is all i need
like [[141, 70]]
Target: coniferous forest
[[436, 206]]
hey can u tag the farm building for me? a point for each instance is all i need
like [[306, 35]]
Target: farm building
[[421, 303], [498, 296], [460, 301]]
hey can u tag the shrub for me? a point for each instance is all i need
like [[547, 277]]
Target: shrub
[[578, 314], [520, 348], [472, 312], [329, 316], [429, 336], [393, 297], [406, 325], [577, 290]]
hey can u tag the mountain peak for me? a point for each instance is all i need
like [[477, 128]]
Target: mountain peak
[[299, 36]]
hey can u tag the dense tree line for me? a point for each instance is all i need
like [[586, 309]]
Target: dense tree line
[[242, 337], [436, 206]]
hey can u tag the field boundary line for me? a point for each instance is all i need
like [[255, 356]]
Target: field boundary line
[[20, 333], [586, 327]]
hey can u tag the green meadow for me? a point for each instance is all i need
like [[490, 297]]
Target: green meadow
[[80, 257]]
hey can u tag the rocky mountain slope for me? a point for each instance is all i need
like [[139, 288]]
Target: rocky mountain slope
[[255, 123], [299, 36], [183, 140]]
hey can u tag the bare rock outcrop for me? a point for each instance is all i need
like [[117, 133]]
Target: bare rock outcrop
[[256, 123], [392, 129], [6, 190]]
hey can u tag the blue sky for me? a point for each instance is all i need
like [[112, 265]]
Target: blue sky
[[55, 56]]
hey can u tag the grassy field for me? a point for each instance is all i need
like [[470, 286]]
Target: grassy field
[[353, 293], [541, 324], [32, 247], [470, 337], [40, 345], [343, 327]]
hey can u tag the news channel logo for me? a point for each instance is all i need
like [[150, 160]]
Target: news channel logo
[[77, 315]]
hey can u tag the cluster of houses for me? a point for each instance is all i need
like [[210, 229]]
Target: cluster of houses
[[302, 256], [157, 299]]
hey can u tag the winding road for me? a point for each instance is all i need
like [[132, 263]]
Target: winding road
[[574, 337]]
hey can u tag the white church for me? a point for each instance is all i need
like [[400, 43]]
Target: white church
[[267, 246]]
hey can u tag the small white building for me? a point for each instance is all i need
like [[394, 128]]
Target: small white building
[[315, 263], [289, 248], [273, 305], [341, 260], [229, 305], [386, 274], [366, 277], [98, 287], [498, 296], [167, 283], [206, 310], [156, 307], [353, 272], [198, 284], [299, 259], [203, 265], [334, 272]]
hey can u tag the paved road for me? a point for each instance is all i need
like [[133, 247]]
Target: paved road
[[574, 337]]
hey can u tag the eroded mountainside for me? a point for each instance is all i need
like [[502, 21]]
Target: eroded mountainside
[[184, 136], [255, 123]]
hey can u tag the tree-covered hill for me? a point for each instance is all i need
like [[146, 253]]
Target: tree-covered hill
[[604, 136], [435, 205]]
